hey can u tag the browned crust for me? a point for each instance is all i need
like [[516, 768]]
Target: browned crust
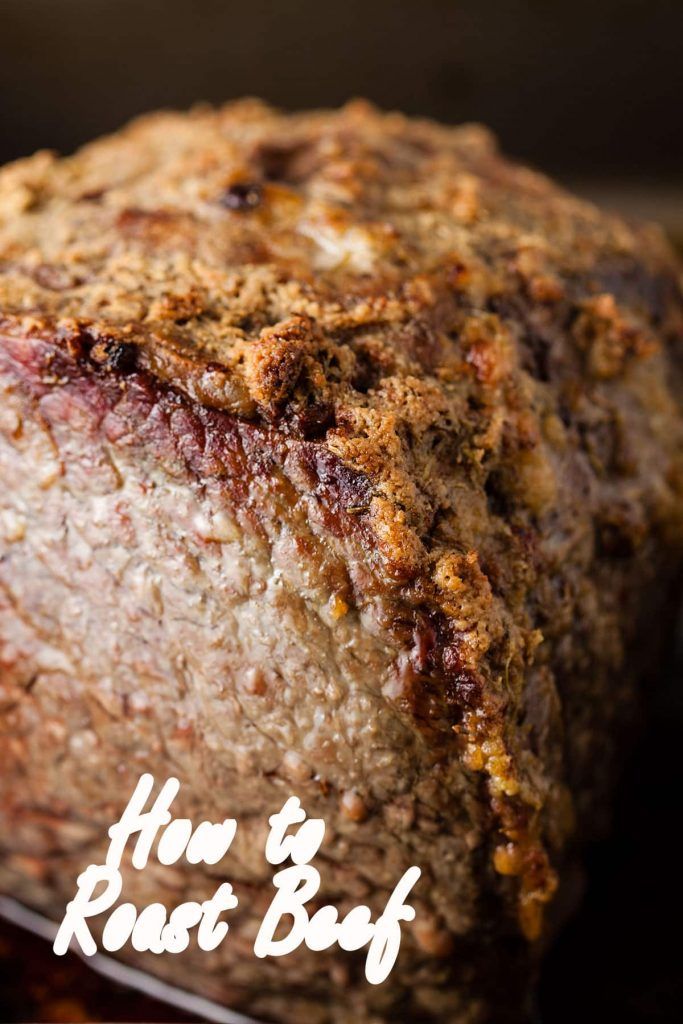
[[474, 369]]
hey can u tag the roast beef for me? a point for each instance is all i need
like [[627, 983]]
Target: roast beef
[[340, 457]]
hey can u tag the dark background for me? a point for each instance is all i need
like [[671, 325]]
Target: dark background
[[590, 90], [579, 86]]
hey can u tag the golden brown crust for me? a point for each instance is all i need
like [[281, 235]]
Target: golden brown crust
[[494, 357]]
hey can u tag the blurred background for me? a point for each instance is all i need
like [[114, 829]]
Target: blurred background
[[590, 91]]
